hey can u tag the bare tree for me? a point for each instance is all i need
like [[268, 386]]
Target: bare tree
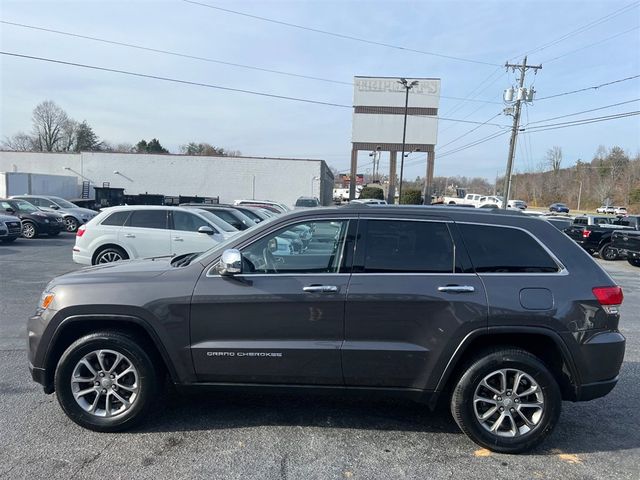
[[20, 142], [49, 121]]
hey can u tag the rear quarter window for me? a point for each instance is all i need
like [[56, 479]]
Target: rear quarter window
[[497, 249], [116, 219]]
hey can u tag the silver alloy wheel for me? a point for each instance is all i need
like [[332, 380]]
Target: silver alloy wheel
[[109, 256], [28, 230], [508, 403], [71, 224], [105, 383]]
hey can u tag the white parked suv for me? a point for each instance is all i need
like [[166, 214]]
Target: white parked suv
[[120, 233]]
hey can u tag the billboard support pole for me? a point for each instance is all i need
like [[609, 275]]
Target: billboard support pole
[[352, 175], [428, 181], [391, 193]]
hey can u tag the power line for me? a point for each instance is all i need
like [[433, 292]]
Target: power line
[[338, 35], [208, 85], [584, 111], [595, 87], [205, 59], [470, 131], [583, 28], [591, 44], [473, 144], [175, 80], [175, 54], [555, 126]]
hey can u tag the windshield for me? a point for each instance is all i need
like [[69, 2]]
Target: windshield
[[217, 221], [306, 202], [62, 203], [25, 206]]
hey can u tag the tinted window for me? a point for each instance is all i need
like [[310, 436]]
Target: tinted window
[[38, 202], [580, 221], [188, 222], [229, 218], [116, 219], [312, 247], [505, 250], [408, 246], [148, 219], [307, 202]]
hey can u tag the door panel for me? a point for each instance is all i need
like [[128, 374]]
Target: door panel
[[185, 237], [282, 319], [146, 233], [408, 302]]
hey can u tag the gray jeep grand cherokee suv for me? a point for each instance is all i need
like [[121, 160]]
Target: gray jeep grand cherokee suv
[[499, 314]]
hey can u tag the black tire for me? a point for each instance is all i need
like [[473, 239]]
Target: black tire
[[29, 230], [149, 380], [608, 253], [107, 255], [482, 367], [71, 224], [9, 240], [634, 261]]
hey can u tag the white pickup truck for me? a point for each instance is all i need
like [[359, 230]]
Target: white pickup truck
[[468, 199]]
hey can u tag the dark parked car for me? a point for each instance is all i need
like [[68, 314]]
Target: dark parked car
[[593, 232], [34, 221], [626, 244], [10, 228], [558, 207], [72, 215], [497, 314]]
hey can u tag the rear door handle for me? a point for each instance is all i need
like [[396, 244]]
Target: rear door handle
[[129, 235], [457, 289], [320, 289], [178, 239]]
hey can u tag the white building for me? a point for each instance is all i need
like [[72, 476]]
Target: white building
[[229, 178]]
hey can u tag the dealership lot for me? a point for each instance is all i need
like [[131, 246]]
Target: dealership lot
[[226, 435]]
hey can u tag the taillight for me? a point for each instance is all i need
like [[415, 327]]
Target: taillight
[[609, 297], [586, 233], [80, 231]]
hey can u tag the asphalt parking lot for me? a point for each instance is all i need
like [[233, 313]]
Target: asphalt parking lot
[[247, 436]]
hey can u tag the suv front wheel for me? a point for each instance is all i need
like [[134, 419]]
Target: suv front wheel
[[106, 381], [506, 400]]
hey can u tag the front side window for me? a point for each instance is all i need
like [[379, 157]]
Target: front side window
[[25, 206], [304, 248], [148, 219], [188, 222], [495, 249], [402, 246]]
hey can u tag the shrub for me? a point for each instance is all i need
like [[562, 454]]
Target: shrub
[[411, 196], [372, 192]]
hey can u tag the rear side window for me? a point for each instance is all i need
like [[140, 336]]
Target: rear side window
[[148, 219], [580, 221], [229, 218], [116, 219], [187, 222], [495, 249], [396, 246]]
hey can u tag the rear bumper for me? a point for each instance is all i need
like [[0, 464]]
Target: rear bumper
[[602, 357], [80, 255]]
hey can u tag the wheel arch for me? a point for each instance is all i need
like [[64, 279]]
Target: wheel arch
[[541, 342], [77, 326], [106, 245]]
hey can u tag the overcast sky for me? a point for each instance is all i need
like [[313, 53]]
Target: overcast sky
[[125, 109]]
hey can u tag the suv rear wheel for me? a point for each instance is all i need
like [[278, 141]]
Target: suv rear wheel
[[106, 382], [506, 400], [71, 224], [634, 261], [110, 254]]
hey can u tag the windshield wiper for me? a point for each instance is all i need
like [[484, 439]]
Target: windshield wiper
[[184, 260]]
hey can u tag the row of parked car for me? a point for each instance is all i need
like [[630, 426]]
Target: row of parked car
[[611, 237]]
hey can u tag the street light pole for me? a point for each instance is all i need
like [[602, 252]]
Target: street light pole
[[407, 86]]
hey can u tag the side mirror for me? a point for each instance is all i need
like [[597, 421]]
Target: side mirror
[[230, 262], [55, 207], [206, 230]]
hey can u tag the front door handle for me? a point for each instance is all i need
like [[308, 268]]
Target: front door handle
[[320, 289], [457, 289], [129, 235], [178, 239]]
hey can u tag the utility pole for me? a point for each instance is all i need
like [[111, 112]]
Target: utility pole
[[407, 86], [521, 95]]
